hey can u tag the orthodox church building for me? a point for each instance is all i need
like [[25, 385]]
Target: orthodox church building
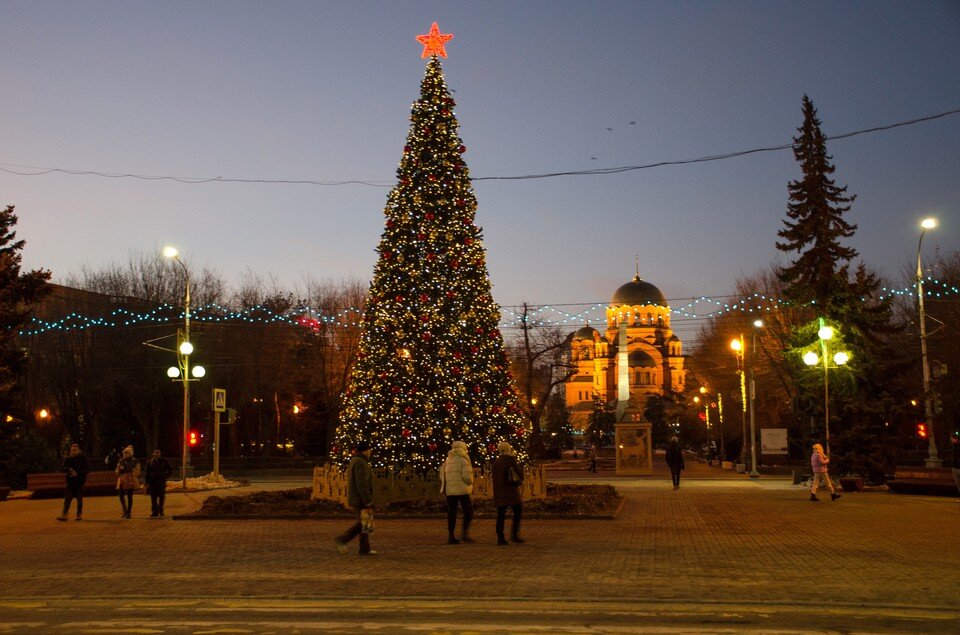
[[638, 355]]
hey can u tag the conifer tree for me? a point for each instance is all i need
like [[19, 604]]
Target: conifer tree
[[431, 366], [816, 224]]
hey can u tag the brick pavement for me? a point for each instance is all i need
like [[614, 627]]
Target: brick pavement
[[714, 541]]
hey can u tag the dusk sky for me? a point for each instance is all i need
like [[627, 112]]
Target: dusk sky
[[321, 91]]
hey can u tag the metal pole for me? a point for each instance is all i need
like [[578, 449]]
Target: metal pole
[[753, 430], [185, 459], [932, 459], [216, 444], [741, 358], [723, 445], [826, 395]]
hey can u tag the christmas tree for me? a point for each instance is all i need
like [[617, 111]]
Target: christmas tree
[[432, 367]]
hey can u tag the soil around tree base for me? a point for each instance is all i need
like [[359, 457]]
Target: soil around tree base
[[563, 501]]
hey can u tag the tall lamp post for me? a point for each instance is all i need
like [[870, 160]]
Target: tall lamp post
[[183, 370], [932, 459], [810, 358], [746, 379]]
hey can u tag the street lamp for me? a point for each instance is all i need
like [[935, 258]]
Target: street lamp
[[739, 347], [932, 459], [183, 371], [810, 358]]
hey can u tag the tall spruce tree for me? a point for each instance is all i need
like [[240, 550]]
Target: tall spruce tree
[[815, 223], [431, 366], [18, 293], [821, 284]]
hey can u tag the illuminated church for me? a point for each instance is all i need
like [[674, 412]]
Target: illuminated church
[[637, 356]]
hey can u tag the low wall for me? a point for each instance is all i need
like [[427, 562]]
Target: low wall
[[329, 483]]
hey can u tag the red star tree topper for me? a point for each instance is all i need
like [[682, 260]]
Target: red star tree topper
[[433, 42]]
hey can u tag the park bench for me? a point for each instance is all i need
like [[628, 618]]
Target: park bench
[[936, 481], [54, 484]]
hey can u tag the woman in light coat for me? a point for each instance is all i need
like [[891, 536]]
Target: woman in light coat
[[456, 483], [818, 463], [128, 472]]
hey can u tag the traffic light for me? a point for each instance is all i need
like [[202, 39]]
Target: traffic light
[[193, 438], [922, 430]]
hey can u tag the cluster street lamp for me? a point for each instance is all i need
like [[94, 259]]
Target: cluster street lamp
[[739, 347], [932, 459], [810, 358], [183, 371]]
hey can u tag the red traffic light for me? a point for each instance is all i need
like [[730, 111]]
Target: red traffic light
[[922, 430], [193, 437]]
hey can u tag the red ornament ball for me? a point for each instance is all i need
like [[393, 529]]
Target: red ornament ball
[[432, 446], [463, 149], [427, 336], [406, 431], [428, 215]]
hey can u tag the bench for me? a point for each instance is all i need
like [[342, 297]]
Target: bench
[[934, 481], [54, 484]]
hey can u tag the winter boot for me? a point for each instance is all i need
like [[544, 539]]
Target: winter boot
[[834, 497], [813, 498]]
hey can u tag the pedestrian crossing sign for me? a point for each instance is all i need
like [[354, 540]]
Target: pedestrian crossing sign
[[219, 400]]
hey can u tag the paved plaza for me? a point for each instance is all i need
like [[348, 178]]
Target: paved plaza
[[723, 554]]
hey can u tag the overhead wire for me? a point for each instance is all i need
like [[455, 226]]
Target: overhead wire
[[42, 171]]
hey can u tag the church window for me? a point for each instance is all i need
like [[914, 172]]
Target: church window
[[585, 352], [650, 318]]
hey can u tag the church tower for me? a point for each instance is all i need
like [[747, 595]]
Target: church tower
[[654, 354]]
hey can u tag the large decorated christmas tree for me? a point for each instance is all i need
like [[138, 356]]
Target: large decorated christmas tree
[[431, 367]]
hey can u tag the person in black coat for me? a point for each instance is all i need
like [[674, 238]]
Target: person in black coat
[[506, 491], [156, 473], [76, 469], [675, 461]]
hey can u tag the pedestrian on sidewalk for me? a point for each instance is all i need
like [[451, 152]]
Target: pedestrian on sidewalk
[[128, 474], [456, 483], [674, 456], [593, 459], [507, 479], [155, 474], [818, 462], [359, 496], [76, 468]]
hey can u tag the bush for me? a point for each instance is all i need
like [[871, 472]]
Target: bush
[[23, 450]]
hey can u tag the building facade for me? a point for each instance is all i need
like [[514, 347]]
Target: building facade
[[638, 343]]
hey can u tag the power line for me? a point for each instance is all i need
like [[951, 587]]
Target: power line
[[190, 180]]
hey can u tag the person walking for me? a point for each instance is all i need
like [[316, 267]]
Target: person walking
[[155, 475], [128, 473], [76, 468], [359, 496], [818, 462], [674, 458], [507, 479], [456, 483], [593, 459]]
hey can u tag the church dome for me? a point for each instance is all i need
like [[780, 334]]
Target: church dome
[[585, 333], [639, 358], [638, 293]]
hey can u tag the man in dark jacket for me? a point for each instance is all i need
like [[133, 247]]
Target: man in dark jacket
[[360, 497], [76, 469], [156, 473], [674, 458]]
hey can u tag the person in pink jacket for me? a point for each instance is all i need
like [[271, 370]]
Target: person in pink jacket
[[818, 461]]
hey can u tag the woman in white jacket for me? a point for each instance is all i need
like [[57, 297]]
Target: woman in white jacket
[[456, 483]]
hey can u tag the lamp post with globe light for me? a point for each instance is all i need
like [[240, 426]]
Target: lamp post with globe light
[[183, 371], [932, 459], [746, 381], [810, 358]]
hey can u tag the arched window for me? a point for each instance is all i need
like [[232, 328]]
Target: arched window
[[584, 352]]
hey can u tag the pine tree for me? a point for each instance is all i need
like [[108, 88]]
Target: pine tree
[[816, 222], [432, 367], [18, 293]]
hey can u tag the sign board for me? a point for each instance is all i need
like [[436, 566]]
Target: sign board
[[219, 400], [773, 440]]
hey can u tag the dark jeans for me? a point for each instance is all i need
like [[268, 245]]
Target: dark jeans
[[676, 477], [351, 533], [126, 501], [502, 516], [158, 494], [74, 490], [463, 501], [593, 466]]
